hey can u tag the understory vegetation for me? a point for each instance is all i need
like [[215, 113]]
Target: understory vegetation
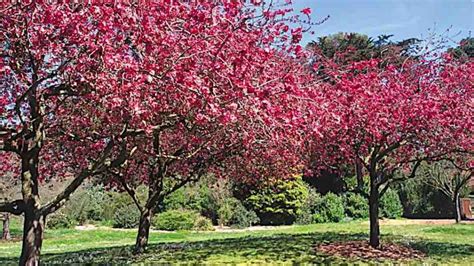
[[199, 206]]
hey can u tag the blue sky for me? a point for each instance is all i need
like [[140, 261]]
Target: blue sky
[[402, 18]]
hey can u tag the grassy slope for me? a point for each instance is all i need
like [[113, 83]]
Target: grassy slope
[[447, 243]]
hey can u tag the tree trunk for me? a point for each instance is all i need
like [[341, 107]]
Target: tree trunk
[[457, 207], [33, 228], [6, 227], [359, 176], [374, 215], [143, 231], [33, 224]]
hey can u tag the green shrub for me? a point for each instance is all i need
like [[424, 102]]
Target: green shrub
[[242, 217], [356, 206], [174, 220], [191, 197], [390, 205], [115, 200], [60, 220], [322, 209], [86, 205], [278, 202], [305, 216], [126, 217], [329, 209], [233, 213], [203, 224], [226, 210]]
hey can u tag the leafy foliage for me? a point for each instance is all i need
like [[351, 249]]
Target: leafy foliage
[[196, 196], [390, 205], [322, 209], [60, 220], [174, 220], [242, 218], [126, 217], [203, 224], [88, 204], [356, 206], [233, 213], [330, 208], [278, 202]]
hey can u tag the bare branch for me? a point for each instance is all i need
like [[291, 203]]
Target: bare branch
[[16, 207]]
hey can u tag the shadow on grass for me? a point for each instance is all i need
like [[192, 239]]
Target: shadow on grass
[[295, 248]]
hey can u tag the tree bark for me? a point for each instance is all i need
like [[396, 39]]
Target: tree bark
[[6, 227], [33, 224], [359, 176], [143, 231], [457, 207], [33, 229], [374, 215]]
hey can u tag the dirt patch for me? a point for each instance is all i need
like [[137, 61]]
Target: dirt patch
[[86, 227], [13, 239], [417, 221], [420, 221], [362, 250], [251, 228]]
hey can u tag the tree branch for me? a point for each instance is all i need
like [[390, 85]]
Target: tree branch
[[131, 192], [99, 166], [16, 207]]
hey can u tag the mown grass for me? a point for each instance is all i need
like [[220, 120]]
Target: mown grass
[[295, 244]]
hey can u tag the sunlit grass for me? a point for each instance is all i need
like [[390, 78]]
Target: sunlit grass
[[442, 243]]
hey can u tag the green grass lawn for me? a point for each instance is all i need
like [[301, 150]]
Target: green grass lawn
[[442, 243]]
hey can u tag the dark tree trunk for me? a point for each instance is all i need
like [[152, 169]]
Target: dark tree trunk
[[143, 231], [359, 176], [33, 229], [374, 215], [457, 207], [6, 227]]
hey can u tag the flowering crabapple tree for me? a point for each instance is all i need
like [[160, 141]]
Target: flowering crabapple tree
[[211, 88], [55, 120], [394, 117]]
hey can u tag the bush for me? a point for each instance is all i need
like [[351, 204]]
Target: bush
[[205, 196], [233, 213], [356, 206], [322, 209], [174, 220], [115, 200], [279, 202], [60, 220], [226, 210], [191, 197], [329, 209], [86, 205], [203, 224], [390, 205], [126, 217], [242, 217], [305, 216]]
